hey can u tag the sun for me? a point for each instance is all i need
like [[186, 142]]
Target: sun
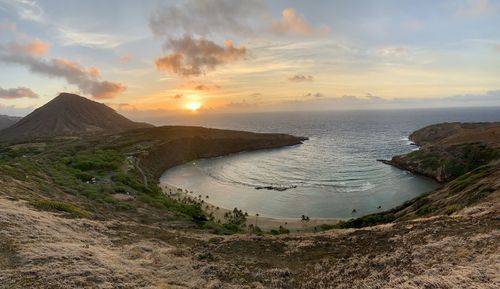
[[193, 106]]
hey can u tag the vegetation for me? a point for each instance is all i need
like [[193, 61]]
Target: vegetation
[[468, 157], [365, 221], [60, 206], [280, 231]]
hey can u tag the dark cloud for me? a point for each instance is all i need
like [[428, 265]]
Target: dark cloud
[[86, 79], [228, 16], [193, 57], [20, 92], [206, 87], [206, 17], [317, 94], [300, 77], [194, 85], [178, 96]]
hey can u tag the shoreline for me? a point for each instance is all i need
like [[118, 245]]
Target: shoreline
[[262, 221]]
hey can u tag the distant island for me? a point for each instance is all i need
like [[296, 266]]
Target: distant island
[[81, 206]]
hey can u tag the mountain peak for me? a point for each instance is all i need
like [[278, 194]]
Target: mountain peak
[[68, 115], [67, 95]]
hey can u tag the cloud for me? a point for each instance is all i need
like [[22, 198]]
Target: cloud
[[206, 17], [247, 18], [34, 48], [124, 59], [178, 96], [243, 105], [193, 85], [86, 79], [205, 87], [193, 57], [489, 98], [25, 9], [72, 37], [317, 94], [300, 78], [295, 24], [121, 106], [20, 92], [394, 52]]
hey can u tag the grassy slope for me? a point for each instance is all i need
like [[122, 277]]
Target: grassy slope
[[116, 176]]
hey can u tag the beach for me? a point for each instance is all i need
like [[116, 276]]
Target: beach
[[264, 222]]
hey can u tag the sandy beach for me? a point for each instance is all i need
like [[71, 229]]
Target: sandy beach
[[264, 222]]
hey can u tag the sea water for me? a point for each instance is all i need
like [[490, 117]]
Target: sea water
[[335, 174]]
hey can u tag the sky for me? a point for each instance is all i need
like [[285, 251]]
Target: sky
[[163, 57]]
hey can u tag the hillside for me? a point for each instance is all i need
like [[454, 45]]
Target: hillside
[[88, 213], [6, 121], [464, 157], [68, 115], [191, 143]]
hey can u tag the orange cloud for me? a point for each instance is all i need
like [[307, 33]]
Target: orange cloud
[[293, 23], [34, 48], [86, 79], [193, 57], [94, 72]]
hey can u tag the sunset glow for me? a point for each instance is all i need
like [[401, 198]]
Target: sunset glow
[[193, 106]]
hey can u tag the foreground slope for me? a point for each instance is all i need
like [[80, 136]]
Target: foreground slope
[[68, 115]]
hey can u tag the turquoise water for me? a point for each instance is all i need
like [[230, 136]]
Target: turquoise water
[[333, 173]]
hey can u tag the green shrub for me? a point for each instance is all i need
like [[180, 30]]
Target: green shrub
[[365, 221], [452, 209], [98, 160], [60, 206], [326, 227], [232, 227], [425, 209], [280, 231]]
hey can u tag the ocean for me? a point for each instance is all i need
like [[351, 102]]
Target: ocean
[[335, 174]]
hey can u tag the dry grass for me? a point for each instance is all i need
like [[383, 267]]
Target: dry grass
[[46, 250]]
